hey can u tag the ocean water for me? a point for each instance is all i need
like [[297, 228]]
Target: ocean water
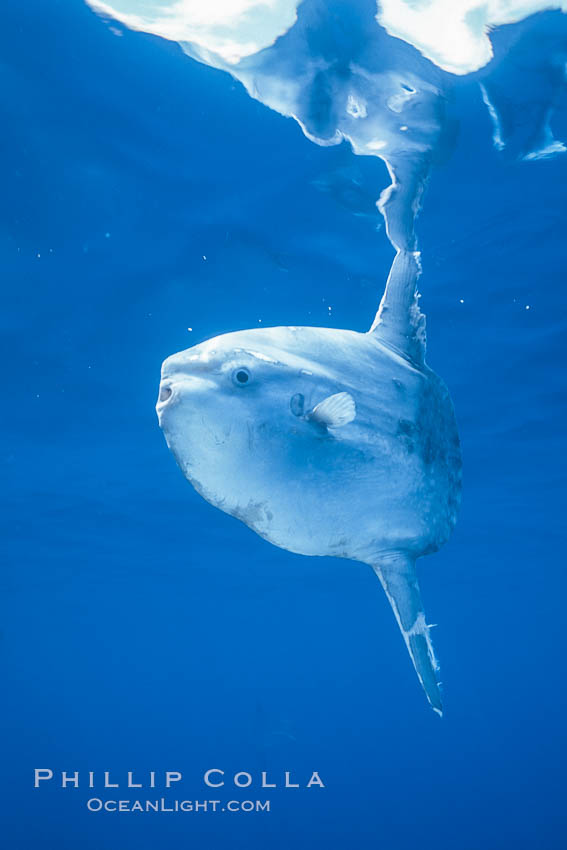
[[149, 203]]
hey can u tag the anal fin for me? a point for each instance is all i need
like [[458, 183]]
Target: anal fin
[[398, 577]]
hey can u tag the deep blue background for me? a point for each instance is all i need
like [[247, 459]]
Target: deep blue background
[[141, 628]]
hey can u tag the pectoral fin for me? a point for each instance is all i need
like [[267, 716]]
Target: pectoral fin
[[334, 411], [399, 579]]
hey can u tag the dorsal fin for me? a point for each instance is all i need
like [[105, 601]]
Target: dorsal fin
[[399, 322]]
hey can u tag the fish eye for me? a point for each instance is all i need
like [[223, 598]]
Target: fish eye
[[241, 376]]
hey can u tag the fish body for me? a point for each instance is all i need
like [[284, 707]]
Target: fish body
[[385, 481]]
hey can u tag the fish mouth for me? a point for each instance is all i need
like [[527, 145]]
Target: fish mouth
[[165, 397], [173, 389], [165, 392]]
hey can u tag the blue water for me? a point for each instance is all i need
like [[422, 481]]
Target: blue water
[[141, 628]]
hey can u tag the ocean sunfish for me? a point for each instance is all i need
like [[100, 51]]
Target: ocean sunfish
[[327, 442]]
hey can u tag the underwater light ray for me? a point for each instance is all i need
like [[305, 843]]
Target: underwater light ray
[[455, 34], [372, 74]]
